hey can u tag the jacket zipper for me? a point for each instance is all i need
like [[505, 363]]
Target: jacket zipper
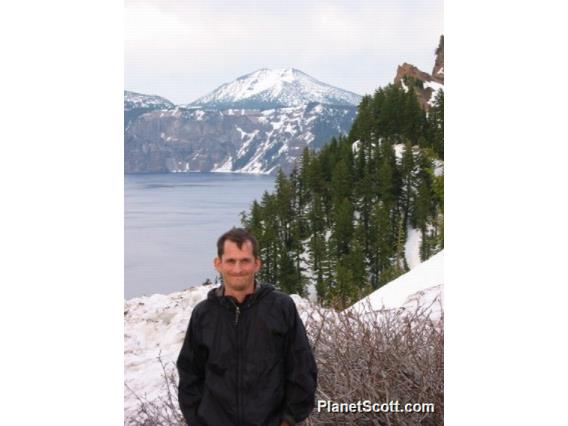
[[237, 314]]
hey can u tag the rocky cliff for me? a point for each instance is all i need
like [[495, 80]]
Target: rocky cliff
[[233, 140], [425, 85]]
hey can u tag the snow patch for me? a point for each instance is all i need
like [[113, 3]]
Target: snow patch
[[438, 167], [434, 86], [398, 150], [412, 247], [227, 166]]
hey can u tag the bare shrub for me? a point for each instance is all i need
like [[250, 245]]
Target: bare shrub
[[379, 357], [388, 356]]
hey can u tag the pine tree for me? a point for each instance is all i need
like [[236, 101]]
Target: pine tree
[[287, 274], [408, 174], [318, 246], [343, 293], [269, 239], [356, 261], [436, 121], [382, 242], [413, 118], [343, 228]]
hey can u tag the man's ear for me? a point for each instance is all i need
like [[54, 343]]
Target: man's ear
[[258, 264], [217, 264]]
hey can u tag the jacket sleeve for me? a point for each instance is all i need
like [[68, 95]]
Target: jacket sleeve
[[191, 370], [300, 370]]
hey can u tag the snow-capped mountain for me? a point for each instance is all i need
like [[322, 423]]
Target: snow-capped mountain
[[232, 140], [275, 88], [136, 104], [257, 124]]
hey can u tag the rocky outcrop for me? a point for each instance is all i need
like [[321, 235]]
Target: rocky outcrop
[[425, 85], [438, 70]]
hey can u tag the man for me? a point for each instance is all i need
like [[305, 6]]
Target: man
[[245, 359]]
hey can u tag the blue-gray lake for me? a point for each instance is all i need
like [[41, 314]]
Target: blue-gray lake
[[172, 222]]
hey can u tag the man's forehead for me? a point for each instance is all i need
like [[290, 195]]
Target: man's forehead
[[231, 248]]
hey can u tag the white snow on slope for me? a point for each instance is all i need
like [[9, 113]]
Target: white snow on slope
[[154, 326], [428, 277], [286, 86], [279, 137]]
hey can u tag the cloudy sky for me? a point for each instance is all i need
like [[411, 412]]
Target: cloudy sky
[[184, 49]]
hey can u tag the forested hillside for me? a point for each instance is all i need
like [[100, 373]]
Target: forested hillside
[[341, 219]]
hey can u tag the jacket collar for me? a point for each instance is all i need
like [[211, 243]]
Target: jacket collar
[[260, 290]]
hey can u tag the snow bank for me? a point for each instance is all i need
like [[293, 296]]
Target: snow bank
[[422, 285], [154, 328]]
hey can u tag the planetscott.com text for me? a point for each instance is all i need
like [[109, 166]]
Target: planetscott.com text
[[367, 406]]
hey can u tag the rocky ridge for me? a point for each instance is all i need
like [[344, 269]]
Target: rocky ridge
[[425, 85]]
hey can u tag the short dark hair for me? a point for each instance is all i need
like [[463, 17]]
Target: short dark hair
[[239, 236]]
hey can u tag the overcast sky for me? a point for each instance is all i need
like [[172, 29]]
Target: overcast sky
[[182, 50]]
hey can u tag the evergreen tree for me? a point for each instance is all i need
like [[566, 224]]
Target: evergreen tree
[[318, 247], [343, 293], [408, 174], [343, 228], [436, 121], [382, 242]]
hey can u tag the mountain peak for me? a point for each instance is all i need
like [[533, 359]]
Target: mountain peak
[[275, 88]]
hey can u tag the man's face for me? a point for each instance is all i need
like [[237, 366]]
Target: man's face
[[237, 266]]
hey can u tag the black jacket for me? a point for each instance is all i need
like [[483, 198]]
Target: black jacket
[[247, 364]]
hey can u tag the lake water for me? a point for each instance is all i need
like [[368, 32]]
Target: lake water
[[172, 223]]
